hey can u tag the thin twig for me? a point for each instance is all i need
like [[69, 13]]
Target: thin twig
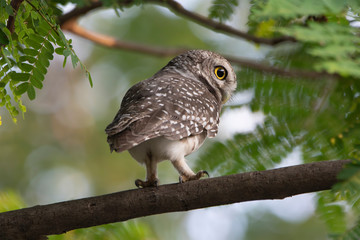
[[281, 71], [44, 17], [78, 12], [111, 42], [177, 8]]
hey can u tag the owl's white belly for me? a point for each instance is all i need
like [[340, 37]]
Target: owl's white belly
[[161, 149]]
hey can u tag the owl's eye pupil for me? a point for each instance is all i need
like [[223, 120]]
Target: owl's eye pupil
[[220, 72]]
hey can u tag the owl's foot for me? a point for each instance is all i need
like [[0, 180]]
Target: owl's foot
[[196, 176], [144, 184]]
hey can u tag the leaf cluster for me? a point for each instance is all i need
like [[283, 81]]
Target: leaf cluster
[[321, 117], [324, 29], [222, 9], [26, 51]]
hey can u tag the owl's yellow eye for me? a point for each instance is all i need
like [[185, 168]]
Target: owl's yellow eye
[[220, 72]]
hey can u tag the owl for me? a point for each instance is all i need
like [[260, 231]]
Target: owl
[[169, 115]]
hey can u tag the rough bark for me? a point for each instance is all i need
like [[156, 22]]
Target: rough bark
[[57, 218]]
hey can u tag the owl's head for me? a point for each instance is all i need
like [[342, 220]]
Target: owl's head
[[208, 67]]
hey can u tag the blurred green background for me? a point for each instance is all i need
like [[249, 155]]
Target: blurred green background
[[59, 150]]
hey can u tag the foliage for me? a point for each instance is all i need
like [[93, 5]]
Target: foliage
[[322, 116], [26, 51], [323, 29], [222, 9], [131, 230], [9, 201]]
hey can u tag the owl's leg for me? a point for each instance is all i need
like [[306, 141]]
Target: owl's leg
[[186, 174], [151, 174]]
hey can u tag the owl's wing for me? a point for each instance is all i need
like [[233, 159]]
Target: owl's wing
[[128, 112], [173, 107]]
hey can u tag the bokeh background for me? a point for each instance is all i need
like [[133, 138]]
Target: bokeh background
[[58, 151]]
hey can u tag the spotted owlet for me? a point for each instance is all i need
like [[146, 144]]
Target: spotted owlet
[[169, 115]]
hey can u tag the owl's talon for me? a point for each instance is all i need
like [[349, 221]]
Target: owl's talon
[[202, 173], [196, 176], [144, 184], [139, 183]]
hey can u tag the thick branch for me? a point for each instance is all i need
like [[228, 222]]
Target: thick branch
[[31, 223]]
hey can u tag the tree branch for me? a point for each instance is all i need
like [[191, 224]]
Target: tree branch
[[111, 42], [281, 71], [69, 22], [57, 218], [178, 9], [78, 12], [15, 4]]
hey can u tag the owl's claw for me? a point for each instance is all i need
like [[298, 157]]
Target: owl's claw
[[196, 176], [144, 184]]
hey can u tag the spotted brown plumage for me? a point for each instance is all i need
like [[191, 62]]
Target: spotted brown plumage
[[169, 115]]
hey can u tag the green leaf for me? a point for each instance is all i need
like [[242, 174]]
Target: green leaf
[[36, 82], [32, 43], [9, 10], [64, 62], [31, 92], [332, 213], [25, 67], [294, 8], [21, 88], [47, 53], [346, 67], [19, 76], [41, 67], [222, 9], [38, 74], [349, 171], [9, 201], [30, 52], [66, 52], [37, 38], [60, 50], [74, 60], [90, 79], [44, 28], [60, 39], [49, 46], [3, 38], [27, 58], [44, 60], [334, 51], [51, 38]]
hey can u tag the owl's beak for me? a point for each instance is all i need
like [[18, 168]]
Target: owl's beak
[[226, 97]]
